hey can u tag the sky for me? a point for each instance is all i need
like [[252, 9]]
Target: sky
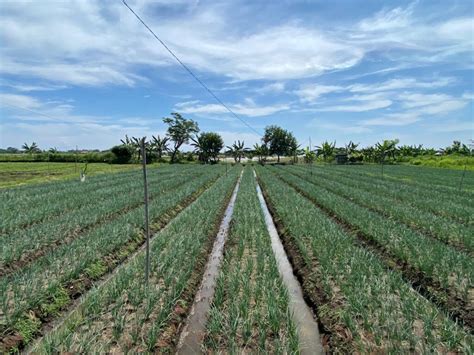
[[86, 73]]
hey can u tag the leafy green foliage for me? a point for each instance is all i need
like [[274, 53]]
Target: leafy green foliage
[[180, 131], [326, 150], [208, 145], [237, 150], [279, 141], [122, 153], [33, 148]]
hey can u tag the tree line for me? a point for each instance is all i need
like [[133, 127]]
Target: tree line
[[207, 148], [207, 145]]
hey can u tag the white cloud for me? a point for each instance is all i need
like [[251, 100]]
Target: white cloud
[[368, 106], [60, 126], [401, 83], [310, 93], [68, 135], [396, 119], [18, 101], [431, 103], [248, 109], [76, 53], [277, 87], [388, 20], [453, 126]]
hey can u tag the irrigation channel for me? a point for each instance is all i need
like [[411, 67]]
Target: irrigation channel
[[194, 330], [307, 327]]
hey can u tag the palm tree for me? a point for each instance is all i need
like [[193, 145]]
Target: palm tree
[[53, 150], [30, 149], [135, 144], [326, 150], [388, 148], [261, 151], [309, 156], [237, 150], [159, 145]]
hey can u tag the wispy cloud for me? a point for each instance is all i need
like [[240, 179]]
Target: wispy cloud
[[309, 93], [248, 109]]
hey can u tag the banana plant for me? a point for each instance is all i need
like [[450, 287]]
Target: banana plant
[[159, 145], [388, 148], [261, 151], [237, 150], [309, 156], [30, 149], [326, 150]]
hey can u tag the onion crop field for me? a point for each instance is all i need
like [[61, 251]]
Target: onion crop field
[[369, 262]]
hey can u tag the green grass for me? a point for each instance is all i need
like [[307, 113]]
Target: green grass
[[447, 162], [15, 174]]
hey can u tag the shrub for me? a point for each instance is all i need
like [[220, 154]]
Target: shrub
[[123, 154]]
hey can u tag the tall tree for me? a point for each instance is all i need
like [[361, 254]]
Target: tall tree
[[279, 140], [207, 146], [180, 131]]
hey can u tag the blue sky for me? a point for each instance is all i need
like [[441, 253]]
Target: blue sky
[[87, 72]]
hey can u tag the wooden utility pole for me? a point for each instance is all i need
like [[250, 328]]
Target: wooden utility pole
[[75, 162], [147, 230]]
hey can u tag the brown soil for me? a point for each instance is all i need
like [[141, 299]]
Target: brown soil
[[169, 338], [459, 310], [76, 288], [31, 256], [334, 336], [459, 246]]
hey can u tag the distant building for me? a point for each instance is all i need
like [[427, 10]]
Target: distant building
[[341, 158]]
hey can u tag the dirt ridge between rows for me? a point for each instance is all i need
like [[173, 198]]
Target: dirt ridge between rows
[[28, 258], [51, 216], [12, 340], [169, 338], [450, 217], [454, 307], [453, 244]]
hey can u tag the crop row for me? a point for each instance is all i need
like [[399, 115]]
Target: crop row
[[442, 228], [420, 199], [122, 315], [422, 190], [416, 178], [24, 211], [249, 312], [449, 273], [436, 176], [363, 306], [38, 286], [24, 244]]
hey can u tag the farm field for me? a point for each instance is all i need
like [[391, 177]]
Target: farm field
[[385, 264], [19, 173]]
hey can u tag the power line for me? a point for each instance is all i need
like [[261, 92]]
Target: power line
[[33, 111], [190, 71]]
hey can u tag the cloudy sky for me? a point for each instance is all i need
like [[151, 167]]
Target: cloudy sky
[[87, 72]]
